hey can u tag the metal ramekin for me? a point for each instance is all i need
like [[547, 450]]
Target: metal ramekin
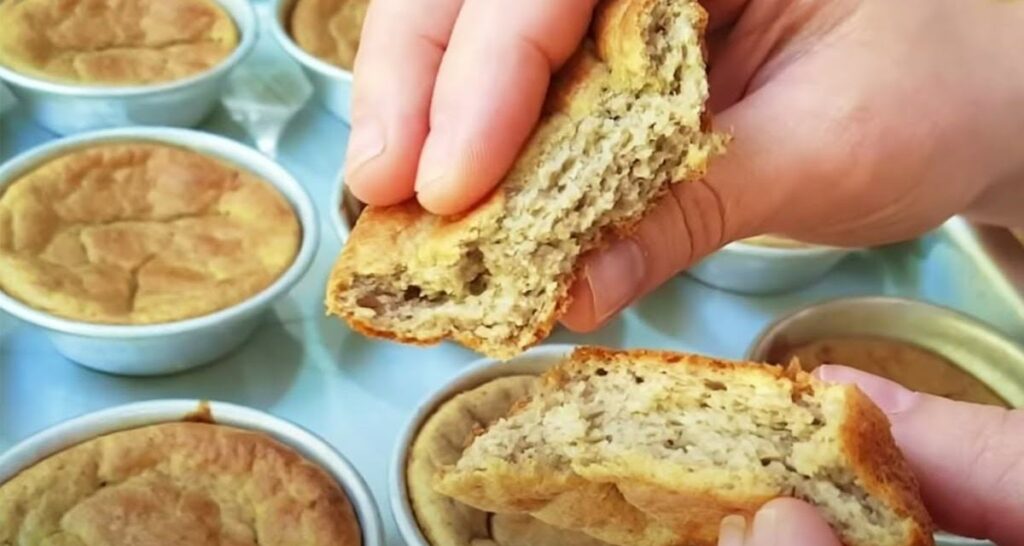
[[534, 362], [80, 429], [754, 269], [977, 348], [173, 346], [345, 209], [332, 85], [70, 108], [980, 350]]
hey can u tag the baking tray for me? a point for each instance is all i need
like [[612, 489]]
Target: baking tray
[[357, 394]]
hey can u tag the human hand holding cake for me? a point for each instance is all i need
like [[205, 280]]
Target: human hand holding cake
[[638, 448], [577, 219], [854, 124]]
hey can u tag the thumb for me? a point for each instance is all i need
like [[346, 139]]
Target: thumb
[[781, 522], [737, 199], [969, 458]]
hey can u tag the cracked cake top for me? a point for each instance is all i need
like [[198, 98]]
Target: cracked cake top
[[141, 233], [114, 42], [192, 484]]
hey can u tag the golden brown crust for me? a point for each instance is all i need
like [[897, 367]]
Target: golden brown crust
[[107, 42], [141, 233], [880, 466], [178, 483], [403, 228], [525, 530], [329, 29], [654, 503]]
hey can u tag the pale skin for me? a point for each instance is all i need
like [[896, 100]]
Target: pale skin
[[854, 122]]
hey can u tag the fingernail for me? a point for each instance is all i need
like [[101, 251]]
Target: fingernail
[[436, 160], [615, 276], [789, 522], [889, 396], [732, 531], [366, 142], [765, 531]]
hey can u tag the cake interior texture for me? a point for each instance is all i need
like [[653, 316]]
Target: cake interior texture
[[611, 144], [737, 442]]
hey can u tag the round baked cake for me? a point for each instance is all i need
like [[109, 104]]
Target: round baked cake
[[141, 233], [114, 42], [193, 484], [329, 29]]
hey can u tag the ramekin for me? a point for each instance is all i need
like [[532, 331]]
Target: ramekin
[[86, 427], [345, 209], [747, 268], [332, 85], [534, 362], [976, 348], [173, 346], [68, 108]]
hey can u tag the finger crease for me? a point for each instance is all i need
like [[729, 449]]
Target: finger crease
[[438, 44], [532, 45], [719, 239], [689, 253]]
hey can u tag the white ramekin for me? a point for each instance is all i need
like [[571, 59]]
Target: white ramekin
[[68, 108], [174, 346], [535, 362], [80, 429], [332, 85], [754, 269]]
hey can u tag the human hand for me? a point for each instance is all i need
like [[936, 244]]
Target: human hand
[[969, 460], [855, 122], [447, 91]]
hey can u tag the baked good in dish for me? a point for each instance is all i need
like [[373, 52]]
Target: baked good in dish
[[439, 442], [625, 119], [329, 29], [644, 448], [114, 42], [194, 484], [141, 233]]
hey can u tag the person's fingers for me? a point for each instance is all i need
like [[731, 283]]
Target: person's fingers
[[723, 13], [969, 458], [686, 224], [732, 531], [489, 93], [789, 522], [399, 56], [694, 219], [781, 522]]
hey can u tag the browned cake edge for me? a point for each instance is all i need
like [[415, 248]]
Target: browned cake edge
[[870, 448], [613, 34]]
